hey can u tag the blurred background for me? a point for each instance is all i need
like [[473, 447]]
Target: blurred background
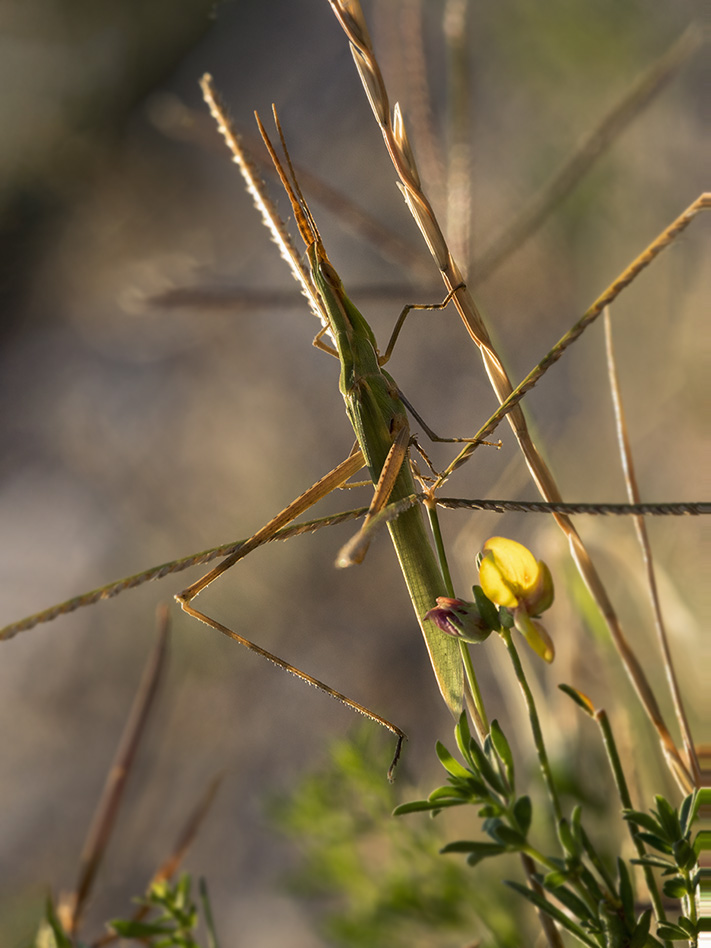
[[160, 395]]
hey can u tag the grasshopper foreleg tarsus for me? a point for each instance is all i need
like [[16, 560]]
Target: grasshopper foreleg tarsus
[[406, 310]]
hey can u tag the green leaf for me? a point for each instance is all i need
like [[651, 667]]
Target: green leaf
[[576, 825], [502, 748], [645, 820], [50, 933], [613, 926], [420, 806], [670, 932], [641, 931], [473, 859], [450, 764], [207, 914], [556, 878], [594, 857], [129, 928], [626, 892], [571, 901], [689, 927], [579, 698], [487, 609], [475, 846], [656, 842], [554, 912], [688, 811], [492, 811], [655, 862], [510, 837], [506, 618], [476, 790], [463, 737], [668, 818], [491, 826], [523, 812], [448, 793], [565, 836], [486, 771], [684, 854], [675, 888]]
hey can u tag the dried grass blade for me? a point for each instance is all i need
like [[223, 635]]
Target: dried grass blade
[[258, 193], [660, 243], [166, 569], [374, 85], [643, 537]]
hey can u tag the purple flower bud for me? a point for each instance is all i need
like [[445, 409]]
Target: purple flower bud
[[460, 619]]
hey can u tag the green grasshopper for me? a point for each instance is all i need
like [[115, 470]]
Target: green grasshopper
[[377, 412], [378, 415]]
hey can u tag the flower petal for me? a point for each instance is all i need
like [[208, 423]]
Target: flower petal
[[508, 571], [535, 635], [541, 598]]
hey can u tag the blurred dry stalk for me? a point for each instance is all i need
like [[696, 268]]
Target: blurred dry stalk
[[71, 906], [450, 186]]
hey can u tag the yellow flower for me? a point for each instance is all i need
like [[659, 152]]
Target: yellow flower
[[511, 577]]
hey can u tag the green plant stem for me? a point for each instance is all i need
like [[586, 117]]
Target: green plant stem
[[476, 707], [689, 900], [535, 725], [622, 789], [212, 941]]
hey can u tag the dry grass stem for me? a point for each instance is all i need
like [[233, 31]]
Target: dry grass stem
[[167, 569], [643, 537], [660, 243], [350, 16], [258, 193], [459, 133], [418, 97]]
